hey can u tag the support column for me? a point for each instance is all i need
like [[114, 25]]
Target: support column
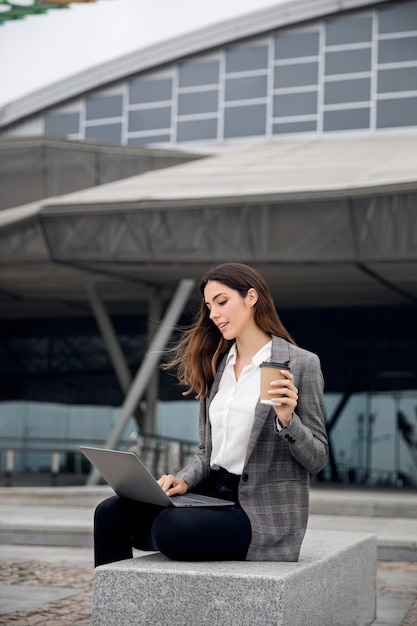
[[111, 341], [150, 362], [110, 338], [148, 424]]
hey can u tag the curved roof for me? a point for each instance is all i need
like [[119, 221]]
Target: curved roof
[[268, 172], [280, 15]]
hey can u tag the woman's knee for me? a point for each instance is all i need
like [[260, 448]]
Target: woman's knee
[[166, 525], [105, 505], [169, 533], [202, 534], [107, 509]]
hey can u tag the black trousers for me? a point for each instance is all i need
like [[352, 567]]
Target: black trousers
[[182, 534]]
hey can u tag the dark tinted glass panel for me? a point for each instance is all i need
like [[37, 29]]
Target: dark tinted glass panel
[[294, 127], [348, 119], [109, 133], [245, 59], [140, 141], [396, 19], [98, 108], [296, 45], [400, 79], [399, 112], [355, 90], [197, 129], [345, 30], [296, 75], [348, 61], [201, 102], [286, 105], [148, 119], [245, 121], [147, 90], [395, 50], [245, 88], [198, 73], [62, 123]]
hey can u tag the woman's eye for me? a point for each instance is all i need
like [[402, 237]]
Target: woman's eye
[[221, 303]]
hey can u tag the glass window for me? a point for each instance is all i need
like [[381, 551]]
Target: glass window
[[245, 121], [150, 90], [193, 130], [293, 45], [198, 73], [140, 141], [348, 119], [355, 90], [109, 133], [348, 61], [99, 108], [295, 127], [398, 18], [199, 102], [348, 30], [398, 112], [149, 119], [62, 123], [286, 105], [245, 88], [398, 79], [296, 75], [397, 50], [247, 58]]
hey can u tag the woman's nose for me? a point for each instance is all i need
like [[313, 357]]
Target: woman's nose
[[213, 313]]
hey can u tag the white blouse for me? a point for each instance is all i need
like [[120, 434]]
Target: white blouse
[[232, 411]]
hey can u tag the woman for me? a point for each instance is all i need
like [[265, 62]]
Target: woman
[[260, 456]]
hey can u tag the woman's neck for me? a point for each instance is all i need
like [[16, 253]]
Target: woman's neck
[[248, 346]]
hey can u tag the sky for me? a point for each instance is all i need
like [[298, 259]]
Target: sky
[[39, 50]]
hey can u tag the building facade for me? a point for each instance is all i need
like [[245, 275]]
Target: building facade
[[305, 119], [353, 71]]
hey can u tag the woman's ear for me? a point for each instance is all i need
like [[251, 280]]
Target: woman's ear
[[252, 296]]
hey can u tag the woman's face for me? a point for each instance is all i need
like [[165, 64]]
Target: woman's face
[[231, 313]]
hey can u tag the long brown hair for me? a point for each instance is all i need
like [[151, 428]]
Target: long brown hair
[[198, 352]]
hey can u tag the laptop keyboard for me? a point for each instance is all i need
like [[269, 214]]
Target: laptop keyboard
[[187, 499]]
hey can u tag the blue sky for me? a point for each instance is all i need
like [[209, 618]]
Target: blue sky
[[40, 50]]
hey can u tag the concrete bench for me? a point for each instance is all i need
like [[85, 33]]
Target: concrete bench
[[333, 584]]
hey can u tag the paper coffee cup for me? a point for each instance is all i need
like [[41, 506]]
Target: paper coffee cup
[[270, 371]]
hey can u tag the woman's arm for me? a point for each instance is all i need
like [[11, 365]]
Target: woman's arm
[[306, 432], [199, 467]]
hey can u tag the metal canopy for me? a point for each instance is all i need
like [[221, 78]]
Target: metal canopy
[[329, 224]]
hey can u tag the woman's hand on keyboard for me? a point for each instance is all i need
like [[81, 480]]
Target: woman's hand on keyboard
[[172, 485]]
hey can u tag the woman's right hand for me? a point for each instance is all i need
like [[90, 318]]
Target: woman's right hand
[[172, 485]]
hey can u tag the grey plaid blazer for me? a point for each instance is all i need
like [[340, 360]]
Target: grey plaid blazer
[[273, 488]]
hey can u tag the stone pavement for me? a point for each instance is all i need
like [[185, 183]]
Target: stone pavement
[[48, 585], [44, 593]]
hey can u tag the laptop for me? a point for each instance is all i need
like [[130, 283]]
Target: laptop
[[129, 478]]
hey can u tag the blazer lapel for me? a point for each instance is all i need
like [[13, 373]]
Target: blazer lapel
[[213, 391], [262, 411], [280, 350], [216, 382]]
